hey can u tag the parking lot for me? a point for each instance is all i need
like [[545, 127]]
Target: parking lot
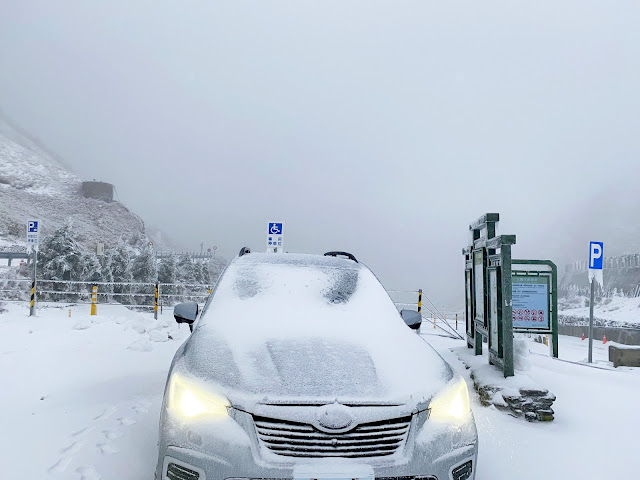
[[86, 395]]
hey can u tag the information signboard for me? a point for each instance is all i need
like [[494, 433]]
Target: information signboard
[[478, 281], [530, 296], [493, 310], [469, 305]]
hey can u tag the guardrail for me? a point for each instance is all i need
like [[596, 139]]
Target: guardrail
[[129, 294], [143, 295]]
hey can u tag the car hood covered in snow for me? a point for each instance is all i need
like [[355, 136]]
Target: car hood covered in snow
[[307, 329]]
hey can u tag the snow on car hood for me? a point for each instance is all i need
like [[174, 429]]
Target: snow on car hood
[[303, 328]]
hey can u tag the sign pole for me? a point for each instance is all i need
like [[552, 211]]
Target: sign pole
[[591, 321], [33, 238], [596, 250]]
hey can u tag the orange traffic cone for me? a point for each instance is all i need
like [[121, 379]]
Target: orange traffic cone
[[582, 335], [604, 339]]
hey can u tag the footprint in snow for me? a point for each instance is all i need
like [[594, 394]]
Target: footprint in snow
[[105, 413], [88, 472], [61, 465], [103, 444], [71, 449], [106, 449], [112, 434], [140, 409], [82, 432], [126, 421]]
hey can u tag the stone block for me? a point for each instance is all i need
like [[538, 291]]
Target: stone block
[[624, 356]]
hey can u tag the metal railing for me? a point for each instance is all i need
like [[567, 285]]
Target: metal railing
[[143, 295], [130, 294]]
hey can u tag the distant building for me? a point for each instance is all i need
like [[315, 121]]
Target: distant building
[[98, 190]]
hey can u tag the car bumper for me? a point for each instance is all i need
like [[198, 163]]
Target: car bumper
[[229, 450]]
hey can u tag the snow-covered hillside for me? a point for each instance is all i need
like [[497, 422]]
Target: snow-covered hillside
[[35, 185], [614, 311]]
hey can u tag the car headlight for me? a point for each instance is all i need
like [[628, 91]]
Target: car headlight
[[452, 403], [189, 400]]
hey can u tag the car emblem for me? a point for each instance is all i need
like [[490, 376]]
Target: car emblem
[[333, 417]]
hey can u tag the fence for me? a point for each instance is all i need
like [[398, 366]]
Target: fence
[[142, 295], [128, 294], [443, 322]]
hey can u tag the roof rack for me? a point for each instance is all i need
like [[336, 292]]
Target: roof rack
[[341, 254], [243, 251]]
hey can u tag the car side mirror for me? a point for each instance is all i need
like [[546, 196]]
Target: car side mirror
[[186, 313], [412, 318]]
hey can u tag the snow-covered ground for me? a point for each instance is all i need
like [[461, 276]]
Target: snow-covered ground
[[81, 395], [81, 399]]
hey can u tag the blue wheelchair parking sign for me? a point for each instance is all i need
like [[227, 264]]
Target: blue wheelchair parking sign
[[275, 229]]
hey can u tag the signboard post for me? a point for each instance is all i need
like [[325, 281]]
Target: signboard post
[[275, 238], [33, 238], [596, 250]]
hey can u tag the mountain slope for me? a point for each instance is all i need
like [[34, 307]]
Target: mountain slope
[[34, 185]]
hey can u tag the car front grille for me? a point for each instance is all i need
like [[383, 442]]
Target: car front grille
[[463, 471], [178, 472], [293, 439]]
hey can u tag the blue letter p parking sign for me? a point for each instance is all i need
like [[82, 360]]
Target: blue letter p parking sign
[[596, 249]]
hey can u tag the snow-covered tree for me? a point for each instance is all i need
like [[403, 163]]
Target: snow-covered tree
[[60, 258], [186, 270], [91, 268], [144, 270], [167, 269], [167, 273], [91, 271], [216, 267], [106, 267], [201, 270], [121, 272]]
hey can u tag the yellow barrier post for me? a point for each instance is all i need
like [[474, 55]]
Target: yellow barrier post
[[94, 300], [420, 301], [155, 306], [434, 321], [69, 313], [32, 303]]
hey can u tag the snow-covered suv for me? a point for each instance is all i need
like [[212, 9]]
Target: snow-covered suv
[[300, 367]]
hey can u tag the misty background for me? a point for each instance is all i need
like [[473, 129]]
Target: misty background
[[380, 128]]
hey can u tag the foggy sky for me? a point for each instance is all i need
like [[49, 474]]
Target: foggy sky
[[380, 128]]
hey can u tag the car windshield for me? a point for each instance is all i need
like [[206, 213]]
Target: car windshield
[[290, 290]]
